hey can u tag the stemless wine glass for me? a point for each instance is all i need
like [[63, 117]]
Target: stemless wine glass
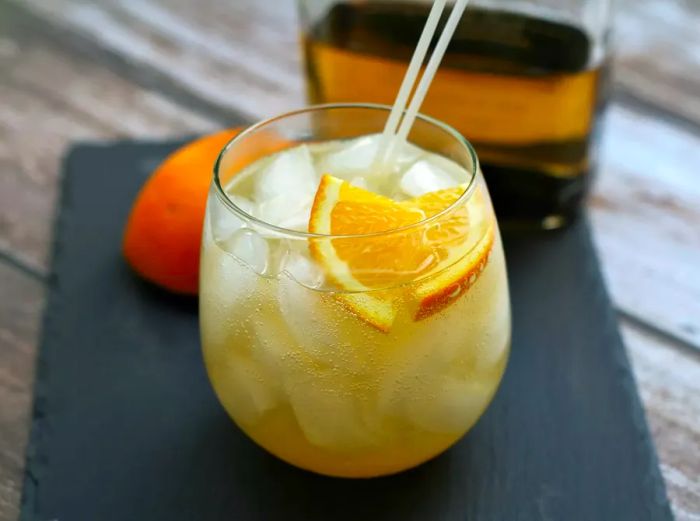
[[373, 342], [525, 80]]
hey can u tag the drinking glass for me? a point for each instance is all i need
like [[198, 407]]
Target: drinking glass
[[351, 380]]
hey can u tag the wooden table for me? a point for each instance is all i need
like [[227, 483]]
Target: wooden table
[[77, 69]]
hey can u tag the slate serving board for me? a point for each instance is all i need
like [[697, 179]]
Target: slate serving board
[[126, 427]]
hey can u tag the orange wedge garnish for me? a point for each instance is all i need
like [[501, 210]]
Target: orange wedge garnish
[[362, 262], [441, 290]]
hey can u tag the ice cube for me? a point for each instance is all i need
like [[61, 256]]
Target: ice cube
[[460, 174], [357, 156], [496, 331], [360, 182], [325, 330], [226, 289], [285, 189], [307, 313], [303, 354], [243, 203], [246, 390], [424, 176], [447, 404], [433, 385], [271, 345], [287, 212], [249, 247], [224, 222], [227, 279], [303, 269], [290, 174], [426, 354], [331, 410]]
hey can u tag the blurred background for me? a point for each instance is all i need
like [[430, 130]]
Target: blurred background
[[77, 70]]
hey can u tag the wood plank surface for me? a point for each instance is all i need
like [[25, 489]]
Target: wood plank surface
[[657, 53], [645, 211], [669, 380], [74, 69], [49, 99], [20, 308], [244, 55], [237, 56]]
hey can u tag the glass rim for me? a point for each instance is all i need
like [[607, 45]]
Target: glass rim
[[279, 230]]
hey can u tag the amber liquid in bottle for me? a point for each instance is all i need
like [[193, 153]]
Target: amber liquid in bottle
[[526, 91]]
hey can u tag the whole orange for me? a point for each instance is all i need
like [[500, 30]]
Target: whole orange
[[164, 230]]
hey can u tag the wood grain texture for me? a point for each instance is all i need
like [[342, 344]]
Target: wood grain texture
[[235, 55], [245, 55], [657, 45], [646, 218], [49, 99], [20, 308], [242, 57], [669, 380]]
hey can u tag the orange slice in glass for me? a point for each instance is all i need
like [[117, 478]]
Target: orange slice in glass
[[439, 291], [363, 264]]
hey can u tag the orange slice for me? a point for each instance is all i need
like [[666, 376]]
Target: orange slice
[[365, 263], [446, 233], [377, 309], [441, 290]]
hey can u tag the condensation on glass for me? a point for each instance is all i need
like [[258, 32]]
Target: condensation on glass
[[351, 354]]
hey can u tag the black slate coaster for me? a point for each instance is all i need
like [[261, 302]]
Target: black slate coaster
[[126, 427]]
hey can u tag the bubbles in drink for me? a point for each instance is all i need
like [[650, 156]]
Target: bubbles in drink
[[247, 390], [352, 379]]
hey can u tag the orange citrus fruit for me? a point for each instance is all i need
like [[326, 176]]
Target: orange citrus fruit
[[361, 264], [437, 292], [163, 233], [455, 246]]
